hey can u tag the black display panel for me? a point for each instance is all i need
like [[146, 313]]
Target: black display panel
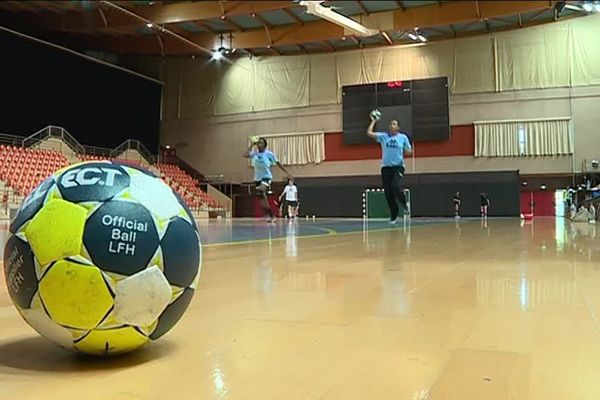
[[421, 105]]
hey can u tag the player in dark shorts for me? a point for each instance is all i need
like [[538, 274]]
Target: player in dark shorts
[[457, 202], [262, 161], [484, 202], [393, 146]]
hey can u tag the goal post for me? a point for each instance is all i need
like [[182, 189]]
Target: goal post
[[374, 204]]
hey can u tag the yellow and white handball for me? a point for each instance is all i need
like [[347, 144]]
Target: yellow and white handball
[[102, 258]]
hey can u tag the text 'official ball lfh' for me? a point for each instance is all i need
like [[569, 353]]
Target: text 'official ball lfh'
[[102, 258]]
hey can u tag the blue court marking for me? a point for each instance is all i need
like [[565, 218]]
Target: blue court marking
[[240, 231]]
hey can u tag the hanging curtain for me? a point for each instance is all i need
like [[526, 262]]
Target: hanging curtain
[[523, 138], [298, 148]]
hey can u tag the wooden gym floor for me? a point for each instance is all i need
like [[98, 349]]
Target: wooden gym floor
[[434, 309]]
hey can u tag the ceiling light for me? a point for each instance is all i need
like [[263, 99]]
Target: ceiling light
[[572, 7], [216, 55], [315, 8], [149, 25], [588, 7], [412, 36], [422, 38]]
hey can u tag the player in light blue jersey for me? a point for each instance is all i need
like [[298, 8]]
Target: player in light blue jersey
[[262, 161], [394, 144]]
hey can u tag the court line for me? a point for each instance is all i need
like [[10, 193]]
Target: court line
[[332, 233]]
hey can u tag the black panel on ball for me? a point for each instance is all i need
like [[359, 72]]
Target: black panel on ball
[[121, 237], [92, 182], [172, 314], [186, 208], [19, 270], [32, 204], [181, 253]]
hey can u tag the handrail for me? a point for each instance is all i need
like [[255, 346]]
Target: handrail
[[132, 144], [11, 140], [97, 151], [78, 148], [54, 131]]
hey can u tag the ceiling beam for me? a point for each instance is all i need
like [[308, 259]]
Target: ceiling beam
[[205, 26], [233, 25], [440, 31], [263, 21], [362, 7], [172, 46], [328, 45], [318, 31], [505, 21], [454, 12], [534, 16], [467, 26], [293, 16], [281, 36], [452, 30], [163, 13], [302, 48]]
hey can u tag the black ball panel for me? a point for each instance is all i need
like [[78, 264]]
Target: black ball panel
[[19, 271], [172, 314], [121, 237], [92, 182], [180, 267]]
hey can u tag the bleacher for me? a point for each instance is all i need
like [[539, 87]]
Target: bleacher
[[178, 179], [22, 169], [187, 187]]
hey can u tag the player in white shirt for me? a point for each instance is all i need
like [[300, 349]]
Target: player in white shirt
[[291, 198]]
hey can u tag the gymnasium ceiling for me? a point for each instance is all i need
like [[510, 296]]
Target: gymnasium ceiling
[[261, 27]]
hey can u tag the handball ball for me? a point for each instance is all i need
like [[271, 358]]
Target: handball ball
[[376, 115], [102, 258], [254, 139]]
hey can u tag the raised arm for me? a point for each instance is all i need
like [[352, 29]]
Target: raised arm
[[370, 132], [248, 151]]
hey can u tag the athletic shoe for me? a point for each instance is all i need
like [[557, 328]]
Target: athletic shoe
[[394, 222]]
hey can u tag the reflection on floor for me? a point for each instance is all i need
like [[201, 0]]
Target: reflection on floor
[[341, 309]]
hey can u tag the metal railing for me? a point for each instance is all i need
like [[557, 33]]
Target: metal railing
[[11, 140], [57, 132], [97, 151], [132, 144]]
